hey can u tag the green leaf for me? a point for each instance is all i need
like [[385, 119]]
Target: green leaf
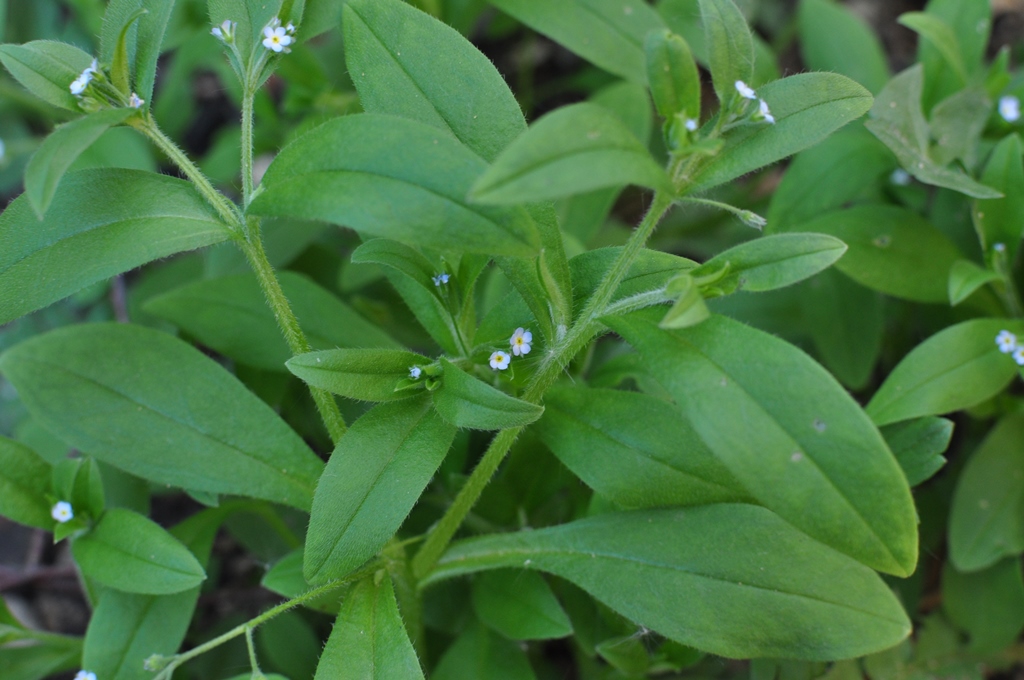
[[151, 405], [396, 178], [988, 605], [832, 38], [479, 653], [60, 150], [141, 25], [789, 433], [730, 47], [406, 63], [634, 449], [957, 123], [87, 237], [24, 485], [369, 641], [466, 401], [965, 278], [897, 120], [918, 446], [986, 522], [772, 262], [607, 33], [672, 74], [519, 605], [689, 309], [831, 175], [231, 316], [846, 322], [125, 628], [807, 107], [940, 35], [954, 369], [372, 481], [971, 23], [1001, 220], [892, 250], [575, 149], [40, 660], [754, 586], [364, 374], [128, 552], [46, 68]]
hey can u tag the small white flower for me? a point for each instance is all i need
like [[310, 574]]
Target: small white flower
[[520, 342], [999, 247], [225, 32], [79, 84], [62, 512], [900, 177], [415, 372], [1007, 341], [85, 675], [745, 90], [765, 113], [1018, 356], [691, 124], [276, 38], [135, 101], [1009, 108], [499, 360], [440, 279], [290, 28]]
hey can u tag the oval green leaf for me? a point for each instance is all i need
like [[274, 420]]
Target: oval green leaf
[[754, 586], [788, 432], [519, 605], [833, 38], [956, 368], [374, 478], [573, 150], [730, 47], [131, 553], [465, 401], [24, 485], [158, 408], [772, 262], [365, 374], [87, 237], [396, 178]]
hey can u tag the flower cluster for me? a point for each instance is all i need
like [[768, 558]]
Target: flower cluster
[[62, 512], [276, 37], [763, 112], [1007, 343], [225, 32], [440, 280], [79, 84], [520, 343]]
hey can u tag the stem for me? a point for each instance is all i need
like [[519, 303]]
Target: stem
[[639, 301], [547, 373], [289, 324], [751, 219], [247, 144], [227, 210], [247, 627], [252, 652], [1005, 287]]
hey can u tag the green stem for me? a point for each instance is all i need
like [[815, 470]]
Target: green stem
[[550, 369], [289, 324], [748, 217], [227, 210], [247, 144], [247, 627], [252, 652]]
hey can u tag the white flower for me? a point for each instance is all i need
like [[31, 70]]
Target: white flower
[[440, 279], [999, 247], [135, 101], [1009, 108], [691, 124], [85, 675], [415, 372], [520, 342], [900, 177], [276, 37], [499, 360], [765, 113], [1018, 356], [290, 28], [745, 91], [62, 512], [225, 32], [1007, 341], [79, 84]]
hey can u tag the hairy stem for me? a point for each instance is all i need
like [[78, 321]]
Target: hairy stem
[[550, 369], [247, 145], [289, 324]]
